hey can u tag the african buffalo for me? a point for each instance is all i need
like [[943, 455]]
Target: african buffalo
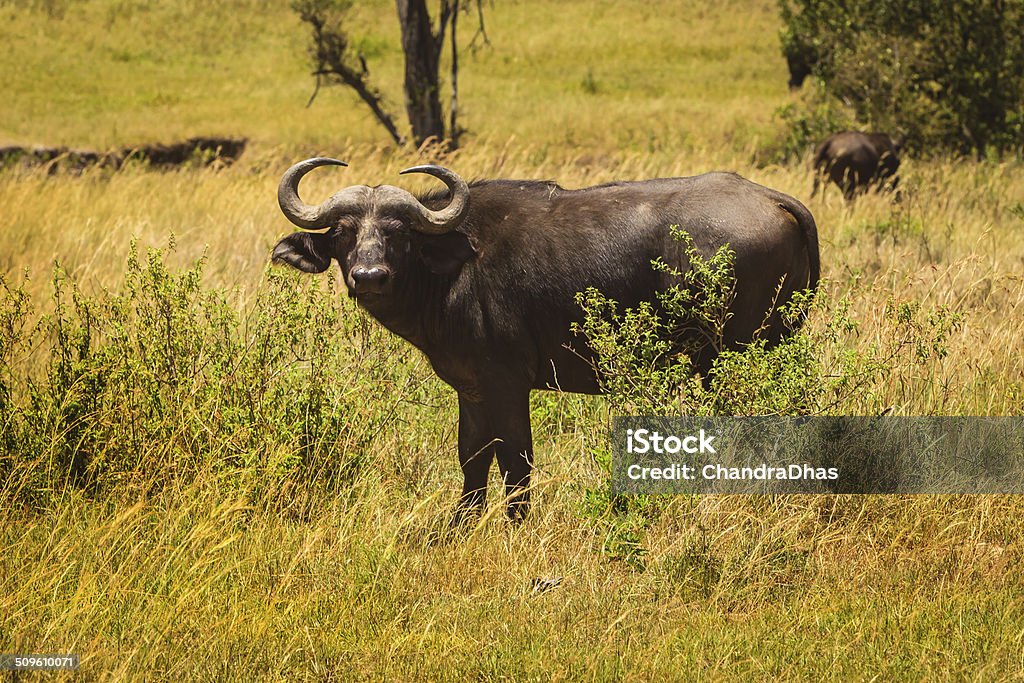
[[481, 278], [855, 161], [800, 67]]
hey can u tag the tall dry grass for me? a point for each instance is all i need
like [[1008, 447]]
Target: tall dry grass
[[207, 579]]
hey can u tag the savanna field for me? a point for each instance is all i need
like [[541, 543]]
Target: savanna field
[[212, 469]]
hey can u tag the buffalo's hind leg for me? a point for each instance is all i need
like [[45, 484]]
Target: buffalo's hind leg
[[511, 419]]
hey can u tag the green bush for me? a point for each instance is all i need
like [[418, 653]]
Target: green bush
[[803, 125], [945, 74], [165, 378], [814, 370], [817, 370]]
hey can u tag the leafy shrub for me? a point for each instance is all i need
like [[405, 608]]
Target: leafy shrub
[[803, 125], [642, 373], [165, 379], [815, 370], [945, 74], [621, 521]]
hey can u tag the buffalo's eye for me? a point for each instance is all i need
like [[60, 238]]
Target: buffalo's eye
[[393, 225], [346, 224]]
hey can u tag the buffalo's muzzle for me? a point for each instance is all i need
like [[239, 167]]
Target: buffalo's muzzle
[[370, 280]]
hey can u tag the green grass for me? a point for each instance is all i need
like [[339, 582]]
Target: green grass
[[106, 73], [220, 548]]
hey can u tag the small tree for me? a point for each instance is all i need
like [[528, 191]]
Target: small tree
[[422, 43], [947, 74]]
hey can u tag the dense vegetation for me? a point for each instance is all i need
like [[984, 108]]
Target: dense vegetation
[[948, 75]]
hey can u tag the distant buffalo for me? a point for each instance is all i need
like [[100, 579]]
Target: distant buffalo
[[800, 68], [857, 161]]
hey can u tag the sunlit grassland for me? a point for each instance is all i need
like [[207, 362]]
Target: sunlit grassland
[[228, 576], [201, 586], [601, 75]]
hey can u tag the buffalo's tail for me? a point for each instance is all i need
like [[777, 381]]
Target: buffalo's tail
[[809, 229]]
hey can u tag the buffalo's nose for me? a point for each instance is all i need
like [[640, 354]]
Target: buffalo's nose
[[369, 279]]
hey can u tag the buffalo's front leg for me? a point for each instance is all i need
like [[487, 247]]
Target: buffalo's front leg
[[498, 424], [476, 451], [514, 448]]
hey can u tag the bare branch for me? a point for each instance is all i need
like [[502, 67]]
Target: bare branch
[[481, 30], [331, 56], [442, 23], [453, 110], [316, 90]]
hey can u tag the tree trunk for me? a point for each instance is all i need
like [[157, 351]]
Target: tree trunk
[[453, 109], [422, 55]]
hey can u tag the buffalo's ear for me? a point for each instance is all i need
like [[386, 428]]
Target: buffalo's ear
[[444, 254], [306, 251]]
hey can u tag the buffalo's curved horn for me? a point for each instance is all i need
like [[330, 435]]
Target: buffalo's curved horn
[[448, 218], [302, 214]]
